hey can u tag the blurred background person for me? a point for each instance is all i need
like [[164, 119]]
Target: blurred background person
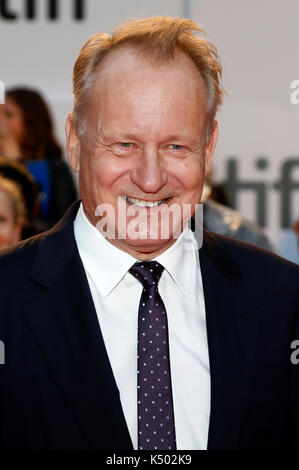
[[12, 213], [220, 218], [27, 136], [296, 229], [18, 173]]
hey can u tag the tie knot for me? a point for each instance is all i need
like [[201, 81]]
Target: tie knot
[[147, 272]]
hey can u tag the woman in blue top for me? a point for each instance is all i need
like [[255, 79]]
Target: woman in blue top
[[27, 135]]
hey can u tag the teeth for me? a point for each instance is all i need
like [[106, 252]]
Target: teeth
[[140, 202]]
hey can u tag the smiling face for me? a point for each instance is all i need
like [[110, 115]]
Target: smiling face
[[145, 141]]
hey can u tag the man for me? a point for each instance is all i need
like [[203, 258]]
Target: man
[[121, 341]]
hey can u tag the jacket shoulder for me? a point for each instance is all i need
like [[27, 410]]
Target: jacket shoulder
[[18, 259], [255, 262]]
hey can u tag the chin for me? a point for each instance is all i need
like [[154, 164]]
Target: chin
[[145, 247]]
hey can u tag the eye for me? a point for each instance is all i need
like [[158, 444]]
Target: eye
[[125, 148], [175, 150], [126, 145], [175, 147]]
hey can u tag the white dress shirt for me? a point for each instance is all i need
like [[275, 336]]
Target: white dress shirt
[[116, 295]]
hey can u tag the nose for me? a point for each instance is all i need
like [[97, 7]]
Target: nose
[[150, 174]]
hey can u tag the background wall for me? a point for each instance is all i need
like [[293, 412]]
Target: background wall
[[258, 150]]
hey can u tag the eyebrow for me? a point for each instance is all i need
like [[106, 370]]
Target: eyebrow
[[130, 136], [119, 135]]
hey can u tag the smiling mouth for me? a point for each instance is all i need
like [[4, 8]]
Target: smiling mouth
[[143, 203]]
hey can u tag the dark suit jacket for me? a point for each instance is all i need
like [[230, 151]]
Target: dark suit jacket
[[57, 390]]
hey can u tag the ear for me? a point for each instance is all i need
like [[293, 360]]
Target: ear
[[210, 147], [73, 147]]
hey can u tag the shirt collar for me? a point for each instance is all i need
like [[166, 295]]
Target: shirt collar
[[107, 264], [181, 259]]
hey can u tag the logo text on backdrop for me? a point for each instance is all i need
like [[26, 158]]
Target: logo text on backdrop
[[29, 10]]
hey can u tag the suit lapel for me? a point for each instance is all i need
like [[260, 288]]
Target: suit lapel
[[63, 320], [231, 339]]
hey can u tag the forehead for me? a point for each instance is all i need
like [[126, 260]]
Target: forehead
[[124, 57], [10, 102], [12, 106], [126, 80]]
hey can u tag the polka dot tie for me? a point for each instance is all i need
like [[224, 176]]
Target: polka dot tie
[[155, 406]]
